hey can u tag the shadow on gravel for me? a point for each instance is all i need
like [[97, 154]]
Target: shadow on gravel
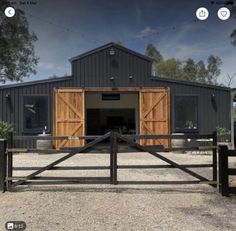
[[125, 190], [217, 211]]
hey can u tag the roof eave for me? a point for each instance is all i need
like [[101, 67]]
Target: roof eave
[[58, 79], [157, 78], [107, 46]]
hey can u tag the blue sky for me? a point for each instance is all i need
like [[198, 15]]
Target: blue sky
[[66, 28]]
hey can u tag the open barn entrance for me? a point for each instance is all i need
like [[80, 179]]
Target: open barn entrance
[[79, 112], [101, 121], [118, 112]]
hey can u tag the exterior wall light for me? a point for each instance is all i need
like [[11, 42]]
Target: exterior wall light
[[213, 102], [130, 77], [112, 78], [112, 52], [8, 97]]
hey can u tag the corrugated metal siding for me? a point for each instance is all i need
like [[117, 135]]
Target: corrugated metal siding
[[96, 70], [13, 112], [208, 117]]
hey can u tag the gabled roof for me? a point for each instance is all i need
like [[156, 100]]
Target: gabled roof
[[108, 46], [50, 80]]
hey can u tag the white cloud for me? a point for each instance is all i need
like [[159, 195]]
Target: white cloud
[[51, 66], [46, 66], [147, 31]]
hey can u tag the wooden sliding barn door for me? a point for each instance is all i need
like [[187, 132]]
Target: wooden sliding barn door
[[69, 116], [155, 115]]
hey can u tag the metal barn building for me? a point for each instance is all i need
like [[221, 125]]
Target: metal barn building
[[112, 88]]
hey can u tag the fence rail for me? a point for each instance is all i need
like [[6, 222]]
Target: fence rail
[[224, 171], [7, 180]]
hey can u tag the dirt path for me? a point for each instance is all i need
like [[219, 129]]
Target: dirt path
[[120, 207]]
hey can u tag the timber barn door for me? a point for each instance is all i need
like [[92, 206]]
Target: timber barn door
[[69, 116], [155, 115]]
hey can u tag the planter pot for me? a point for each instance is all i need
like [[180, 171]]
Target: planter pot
[[178, 143], [44, 144], [225, 143]]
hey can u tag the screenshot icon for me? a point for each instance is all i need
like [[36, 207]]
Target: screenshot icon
[[223, 13], [202, 13]]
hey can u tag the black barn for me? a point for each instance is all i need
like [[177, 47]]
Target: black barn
[[112, 87]]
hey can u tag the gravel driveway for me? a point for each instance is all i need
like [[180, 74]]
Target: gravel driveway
[[119, 207]]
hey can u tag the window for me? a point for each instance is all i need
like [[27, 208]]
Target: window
[[35, 113], [186, 113], [110, 96]]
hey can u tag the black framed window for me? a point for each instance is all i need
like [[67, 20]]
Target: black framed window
[[186, 113], [112, 96], [35, 113]]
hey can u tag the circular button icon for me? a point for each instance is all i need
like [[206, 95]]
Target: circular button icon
[[10, 12], [202, 13], [223, 13]]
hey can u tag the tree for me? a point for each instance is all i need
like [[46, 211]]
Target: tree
[[153, 53], [233, 34], [214, 62], [189, 71], [230, 80], [235, 115], [119, 42], [170, 68], [202, 72], [233, 37], [17, 55]]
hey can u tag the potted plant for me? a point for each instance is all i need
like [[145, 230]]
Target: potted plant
[[189, 124], [223, 135]]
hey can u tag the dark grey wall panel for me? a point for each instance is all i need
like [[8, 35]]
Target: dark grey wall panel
[[96, 69], [209, 116], [12, 111]]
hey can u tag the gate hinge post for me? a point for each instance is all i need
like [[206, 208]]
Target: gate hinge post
[[3, 164]]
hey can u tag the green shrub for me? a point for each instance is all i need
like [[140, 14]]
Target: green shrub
[[5, 128], [223, 134]]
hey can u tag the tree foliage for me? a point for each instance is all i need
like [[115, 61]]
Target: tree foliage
[[213, 64], [170, 68], [17, 55], [233, 34], [153, 53], [119, 42], [188, 70], [234, 114], [5, 128], [233, 37]]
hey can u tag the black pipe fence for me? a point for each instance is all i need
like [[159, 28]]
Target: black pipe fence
[[7, 180], [225, 171]]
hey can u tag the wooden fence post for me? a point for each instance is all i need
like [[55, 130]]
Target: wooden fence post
[[111, 159], [9, 158], [214, 158], [3, 163], [114, 150], [223, 170]]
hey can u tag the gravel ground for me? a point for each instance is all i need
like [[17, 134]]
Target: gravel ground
[[119, 207]]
